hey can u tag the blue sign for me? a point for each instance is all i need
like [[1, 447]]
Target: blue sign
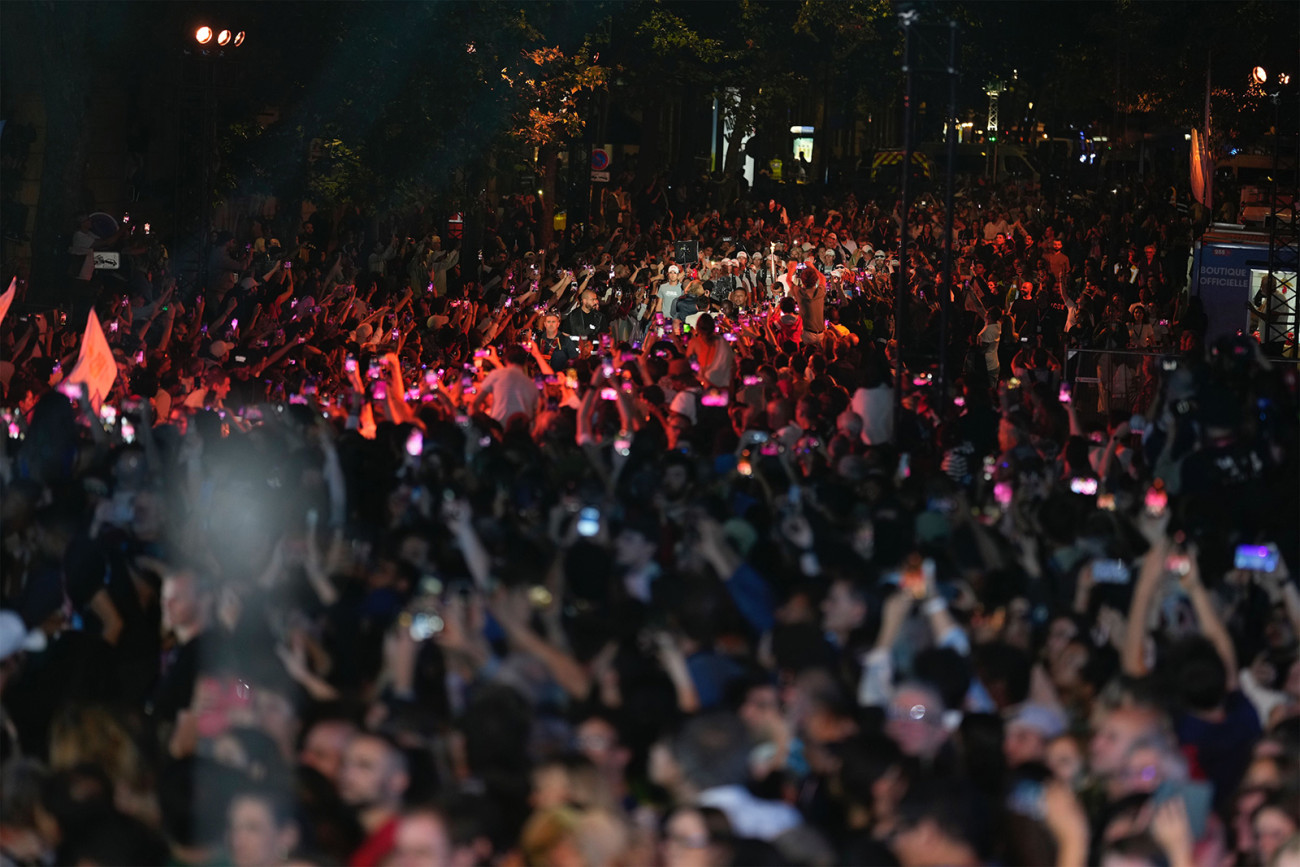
[[1221, 279]]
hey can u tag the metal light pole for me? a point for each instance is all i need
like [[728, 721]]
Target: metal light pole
[[212, 46], [1283, 252], [945, 297], [902, 285]]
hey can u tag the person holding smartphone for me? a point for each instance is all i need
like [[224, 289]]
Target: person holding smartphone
[[808, 288]]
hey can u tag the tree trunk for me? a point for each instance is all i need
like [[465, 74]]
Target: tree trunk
[[548, 165], [652, 127], [65, 72]]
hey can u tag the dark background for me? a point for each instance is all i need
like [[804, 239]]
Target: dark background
[[381, 106]]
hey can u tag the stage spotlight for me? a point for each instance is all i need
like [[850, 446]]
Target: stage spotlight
[[239, 39], [1259, 75], [203, 35], [223, 38]]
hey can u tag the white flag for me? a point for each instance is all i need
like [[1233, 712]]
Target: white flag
[[8, 298], [96, 366]]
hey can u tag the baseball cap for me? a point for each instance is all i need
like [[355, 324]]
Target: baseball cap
[[684, 404], [1044, 719], [219, 348], [15, 636]]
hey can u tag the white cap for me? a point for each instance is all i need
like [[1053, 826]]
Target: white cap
[[684, 404], [15, 636]]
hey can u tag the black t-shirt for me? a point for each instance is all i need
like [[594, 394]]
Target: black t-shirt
[[175, 690], [589, 325], [1027, 315]]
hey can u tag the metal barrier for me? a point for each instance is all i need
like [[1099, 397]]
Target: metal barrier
[[1120, 380], [1109, 381]]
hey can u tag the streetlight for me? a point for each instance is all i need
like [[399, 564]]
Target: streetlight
[[225, 38]]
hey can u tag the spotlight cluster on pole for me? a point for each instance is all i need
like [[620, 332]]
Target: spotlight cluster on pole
[[205, 35], [1259, 75]]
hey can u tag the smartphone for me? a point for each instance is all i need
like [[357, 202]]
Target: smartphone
[[425, 625], [379, 391], [287, 265], [1110, 572], [1085, 486], [1156, 501], [1256, 558], [913, 580], [350, 365], [588, 522], [415, 443], [1002, 493], [1013, 382], [1064, 394]]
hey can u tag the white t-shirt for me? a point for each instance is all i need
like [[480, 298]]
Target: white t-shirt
[[83, 244], [989, 337], [668, 295], [512, 391], [875, 406]]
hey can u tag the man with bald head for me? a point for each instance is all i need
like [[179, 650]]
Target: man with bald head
[[586, 322]]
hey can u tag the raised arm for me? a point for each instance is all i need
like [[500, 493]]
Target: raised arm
[[1133, 660], [1211, 624]]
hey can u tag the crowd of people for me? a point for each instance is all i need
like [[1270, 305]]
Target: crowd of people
[[628, 549]]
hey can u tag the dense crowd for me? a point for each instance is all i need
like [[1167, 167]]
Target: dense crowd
[[623, 551]]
